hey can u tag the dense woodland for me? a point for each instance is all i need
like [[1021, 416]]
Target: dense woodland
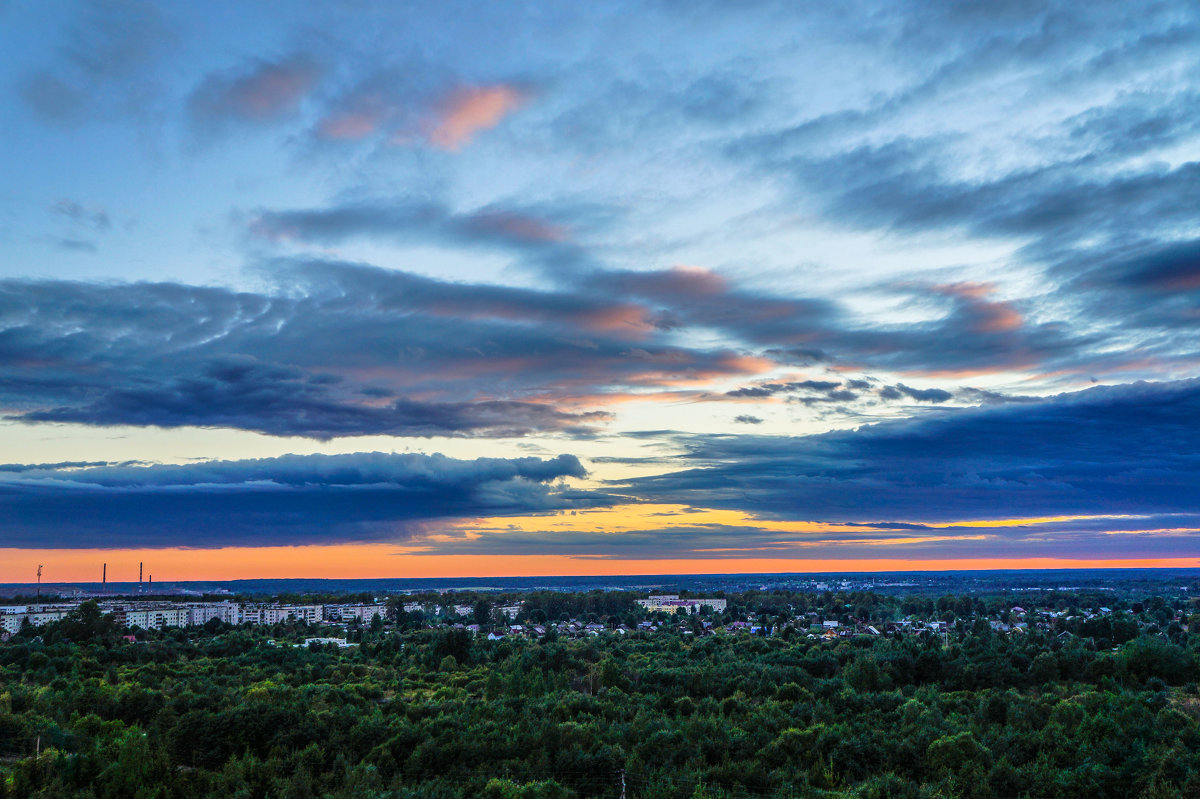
[[414, 711]]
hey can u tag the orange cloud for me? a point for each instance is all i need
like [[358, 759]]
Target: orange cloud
[[471, 109], [991, 316]]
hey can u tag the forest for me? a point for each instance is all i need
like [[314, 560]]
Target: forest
[[434, 712]]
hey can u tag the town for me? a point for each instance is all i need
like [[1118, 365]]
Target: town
[[777, 613], [253, 694]]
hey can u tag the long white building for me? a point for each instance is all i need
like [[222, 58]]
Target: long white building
[[155, 618], [228, 612], [274, 614], [155, 615], [671, 603], [13, 616], [364, 613]]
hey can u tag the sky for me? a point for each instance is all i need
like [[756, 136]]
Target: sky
[[365, 289]]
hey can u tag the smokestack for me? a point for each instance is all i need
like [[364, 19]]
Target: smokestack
[[139, 571], [104, 575], [152, 578]]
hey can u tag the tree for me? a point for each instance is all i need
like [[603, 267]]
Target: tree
[[88, 623]]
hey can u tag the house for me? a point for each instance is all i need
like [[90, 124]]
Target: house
[[340, 643]]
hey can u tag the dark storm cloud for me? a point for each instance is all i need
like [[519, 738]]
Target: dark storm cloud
[[1122, 450], [339, 350], [288, 500]]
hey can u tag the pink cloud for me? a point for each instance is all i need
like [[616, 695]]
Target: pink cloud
[[471, 109], [519, 226], [348, 126], [362, 115], [267, 92], [991, 316]]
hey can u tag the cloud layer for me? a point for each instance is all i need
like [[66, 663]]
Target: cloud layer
[[341, 350], [286, 501], [1110, 450], [683, 238]]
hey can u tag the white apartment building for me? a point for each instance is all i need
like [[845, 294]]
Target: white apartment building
[[274, 614], [364, 613], [671, 603], [13, 616], [155, 618], [228, 612]]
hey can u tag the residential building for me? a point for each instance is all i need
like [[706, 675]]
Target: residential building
[[671, 603]]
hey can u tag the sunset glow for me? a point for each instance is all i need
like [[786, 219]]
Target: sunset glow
[[493, 290]]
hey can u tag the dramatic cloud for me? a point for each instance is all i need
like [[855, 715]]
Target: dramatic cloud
[[701, 534], [290, 500], [280, 402], [656, 217], [1119, 450], [340, 350], [973, 334]]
